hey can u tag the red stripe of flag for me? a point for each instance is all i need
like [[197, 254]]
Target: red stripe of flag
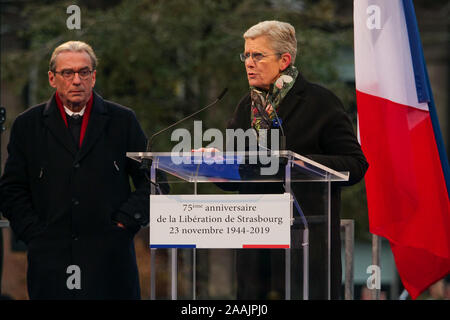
[[406, 191]]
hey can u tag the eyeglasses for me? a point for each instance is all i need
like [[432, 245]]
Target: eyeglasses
[[256, 56], [68, 74]]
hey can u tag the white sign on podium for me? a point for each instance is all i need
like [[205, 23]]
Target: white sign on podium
[[220, 221]]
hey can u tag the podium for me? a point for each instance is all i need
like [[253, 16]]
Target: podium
[[180, 271]]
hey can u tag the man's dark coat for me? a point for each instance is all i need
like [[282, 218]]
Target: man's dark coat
[[64, 202], [316, 126]]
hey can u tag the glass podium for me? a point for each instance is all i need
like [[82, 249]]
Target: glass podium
[[299, 272]]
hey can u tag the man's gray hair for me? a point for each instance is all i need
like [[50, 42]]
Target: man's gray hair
[[281, 36], [73, 46]]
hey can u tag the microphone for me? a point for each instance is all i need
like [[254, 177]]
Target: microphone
[[146, 163], [283, 136], [280, 125]]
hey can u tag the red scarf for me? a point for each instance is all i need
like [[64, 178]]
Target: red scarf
[[86, 114]]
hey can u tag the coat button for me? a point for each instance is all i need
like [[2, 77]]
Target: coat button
[[137, 215], [76, 165], [75, 202], [74, 237]]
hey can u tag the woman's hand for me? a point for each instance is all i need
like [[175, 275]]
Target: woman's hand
[[210, 150]]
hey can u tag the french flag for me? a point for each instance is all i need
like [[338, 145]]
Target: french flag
[[407, 181]]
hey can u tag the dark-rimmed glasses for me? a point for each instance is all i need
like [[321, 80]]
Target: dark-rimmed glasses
[[256, 56], [69, 74]]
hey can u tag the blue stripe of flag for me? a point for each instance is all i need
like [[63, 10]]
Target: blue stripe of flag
[[423, 87], [415, 45]]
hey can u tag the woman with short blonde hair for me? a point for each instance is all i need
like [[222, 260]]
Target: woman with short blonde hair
[[314, 123]]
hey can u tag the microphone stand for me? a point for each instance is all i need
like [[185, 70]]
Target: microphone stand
[[2, 128], [147, 163]]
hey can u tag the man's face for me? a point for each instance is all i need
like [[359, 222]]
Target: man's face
[[75, 92]]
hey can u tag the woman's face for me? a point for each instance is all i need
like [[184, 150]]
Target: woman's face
[[263, 73]]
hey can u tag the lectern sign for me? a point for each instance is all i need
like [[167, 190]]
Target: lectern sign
[[220, 221]]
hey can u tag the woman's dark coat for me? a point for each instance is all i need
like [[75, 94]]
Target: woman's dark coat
[[316, 126], [64, 202]]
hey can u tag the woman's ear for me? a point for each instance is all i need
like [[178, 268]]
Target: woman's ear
[[285, 61]]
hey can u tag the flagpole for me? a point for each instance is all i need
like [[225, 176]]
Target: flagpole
[[376, 245]]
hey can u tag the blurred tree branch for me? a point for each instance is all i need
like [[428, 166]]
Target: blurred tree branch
[[165, 59]]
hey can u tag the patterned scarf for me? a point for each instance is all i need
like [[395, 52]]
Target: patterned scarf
[[263, 103]]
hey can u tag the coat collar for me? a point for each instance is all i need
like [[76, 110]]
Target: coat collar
[[97, 122], [97, 107], [292, 98]]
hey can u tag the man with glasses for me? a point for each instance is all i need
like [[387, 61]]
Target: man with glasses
[[66, 188]]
